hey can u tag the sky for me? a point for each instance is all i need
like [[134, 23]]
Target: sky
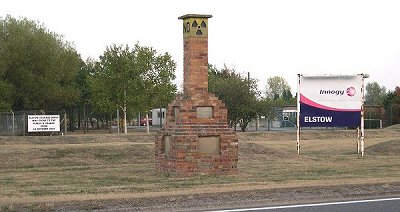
[[265, 38]]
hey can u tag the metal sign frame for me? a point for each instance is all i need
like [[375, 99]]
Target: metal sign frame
[[359, 125]]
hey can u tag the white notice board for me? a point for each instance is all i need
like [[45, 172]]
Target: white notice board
[[43, 123]]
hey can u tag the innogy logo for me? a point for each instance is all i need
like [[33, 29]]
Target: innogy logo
[[350, 91]]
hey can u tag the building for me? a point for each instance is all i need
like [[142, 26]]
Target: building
[[157, 115]]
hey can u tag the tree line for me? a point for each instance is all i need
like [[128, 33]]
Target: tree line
[[388, 99], [243, 99], [245, 102], [39, 70]]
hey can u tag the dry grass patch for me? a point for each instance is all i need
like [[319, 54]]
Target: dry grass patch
[[388, 148], [124, 166]]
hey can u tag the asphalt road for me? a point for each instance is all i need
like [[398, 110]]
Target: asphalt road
[[370, 205]]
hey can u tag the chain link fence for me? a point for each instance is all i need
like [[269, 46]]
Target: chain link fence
[[15, 123]]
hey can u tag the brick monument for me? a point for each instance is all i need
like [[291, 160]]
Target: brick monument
[[196, 138]]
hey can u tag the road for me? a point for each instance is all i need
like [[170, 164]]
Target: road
[[370, 205]]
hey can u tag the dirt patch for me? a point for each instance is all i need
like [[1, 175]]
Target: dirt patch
[[391, 147]]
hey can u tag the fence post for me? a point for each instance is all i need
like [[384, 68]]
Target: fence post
[[65, 123], [24, 125], [13, 123]]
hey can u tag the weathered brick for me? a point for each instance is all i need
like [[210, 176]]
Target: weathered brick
[[184, 128]]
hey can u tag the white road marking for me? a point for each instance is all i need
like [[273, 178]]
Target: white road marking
[[309, 205]]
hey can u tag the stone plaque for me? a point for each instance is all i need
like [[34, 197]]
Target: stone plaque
[[209, 145], [204, 112], [167, 144], [175, 112]]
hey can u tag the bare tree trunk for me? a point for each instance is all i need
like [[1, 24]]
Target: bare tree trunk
[[118, 127], [87, 119], [161, 116], [84, 119], [110, 123], [147, 123]]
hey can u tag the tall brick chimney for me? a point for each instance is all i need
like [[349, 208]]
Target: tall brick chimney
[[196, 138], [195, 57]]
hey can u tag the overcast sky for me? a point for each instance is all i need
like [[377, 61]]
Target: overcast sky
[[266, 38]]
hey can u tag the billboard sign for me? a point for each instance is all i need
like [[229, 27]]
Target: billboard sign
[[330, 101], [43, 123]]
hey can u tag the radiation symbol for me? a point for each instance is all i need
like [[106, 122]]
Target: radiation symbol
[[199, 27]]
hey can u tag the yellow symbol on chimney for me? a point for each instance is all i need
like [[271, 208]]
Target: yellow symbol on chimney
[[199, 27], [195, 27]]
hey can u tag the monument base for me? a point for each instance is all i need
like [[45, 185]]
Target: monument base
[[192, 143]]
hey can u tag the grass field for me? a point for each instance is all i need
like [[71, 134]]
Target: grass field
[[100, 167]]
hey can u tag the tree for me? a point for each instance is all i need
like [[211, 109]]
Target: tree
[[267, 108], [85, 95], [37, 68], [277, 87], [392, 106], [114, 81], [6, 97], [7, 89], [157, 76], [288, 97], [238, 93], [134, 79], [375, 94]]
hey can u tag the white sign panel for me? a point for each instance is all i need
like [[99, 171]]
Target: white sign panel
[[43, 123], [330, 101]]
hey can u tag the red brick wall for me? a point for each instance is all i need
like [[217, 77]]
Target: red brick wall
[[195, 69]]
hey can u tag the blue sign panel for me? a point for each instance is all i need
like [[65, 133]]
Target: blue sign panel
[[316, 117]]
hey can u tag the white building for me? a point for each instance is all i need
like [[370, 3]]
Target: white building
[[156, 114]]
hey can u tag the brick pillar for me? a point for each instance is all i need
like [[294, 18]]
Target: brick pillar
[[195, 59], [196, 138]]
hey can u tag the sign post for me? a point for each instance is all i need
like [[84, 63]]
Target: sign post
[[362, 115], [331, 101], [298, 113]]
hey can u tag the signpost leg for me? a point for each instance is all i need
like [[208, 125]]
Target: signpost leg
[[362, 116], [298, 140], [358, 140], [362, 146], [298, 114], [362, 136]]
